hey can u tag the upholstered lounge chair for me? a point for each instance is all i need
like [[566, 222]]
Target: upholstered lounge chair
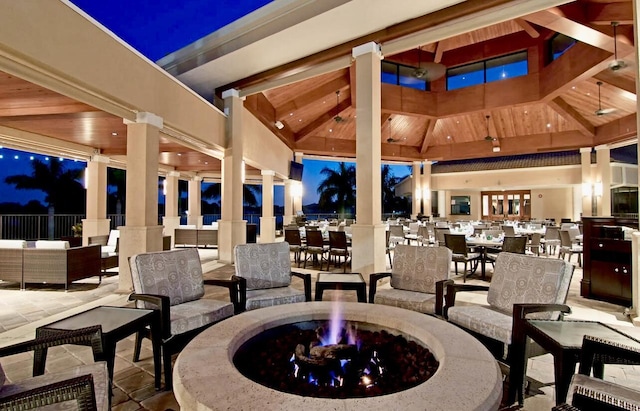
[[84, 387], [517, 279], [264, 274], [11, 260], [172, 282], [418, 278]]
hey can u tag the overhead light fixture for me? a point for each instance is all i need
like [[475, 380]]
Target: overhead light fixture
[[279, 125], [428, 70], [616, 64], [488, 137], [496, 149]]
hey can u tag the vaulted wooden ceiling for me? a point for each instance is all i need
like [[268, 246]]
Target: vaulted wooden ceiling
[[550, 109]]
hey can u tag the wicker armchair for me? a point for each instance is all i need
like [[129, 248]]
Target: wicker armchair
[[264, 274], [87, 384], [417, 279], [61, 265], [11, 260], [171, 282]]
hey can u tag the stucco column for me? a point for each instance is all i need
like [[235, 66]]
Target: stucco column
[[287, 218], [195, 202], [297, 188], [232, 229], [171, 219], [141, 232], [96, 222], [368, 241], [442, 203], [603, 180], [587, 181], [416, 190], [426, 188], [267, 220]]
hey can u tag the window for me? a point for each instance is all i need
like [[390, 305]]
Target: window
[[559, 44], [495, 69], [461, 205], [401, 75]]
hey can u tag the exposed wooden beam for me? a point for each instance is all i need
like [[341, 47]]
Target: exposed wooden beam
[[328, 115], [617, 130], [311, 96], [571, 115], [439, 51], [428, 135], [605, 13], [528, 28], [616, 80]]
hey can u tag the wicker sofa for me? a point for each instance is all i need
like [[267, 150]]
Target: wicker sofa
[[54, 262], [11, 260], [196, 237]]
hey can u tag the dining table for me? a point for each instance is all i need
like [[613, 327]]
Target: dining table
[[482, 243]]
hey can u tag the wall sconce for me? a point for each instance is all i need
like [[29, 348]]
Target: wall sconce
[[593, 190], [296, 190], [597, 189], [586, 190], [418, 194]]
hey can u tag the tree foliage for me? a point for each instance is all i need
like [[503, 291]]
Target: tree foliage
[[249, 193], [338, 189], [62, 188]]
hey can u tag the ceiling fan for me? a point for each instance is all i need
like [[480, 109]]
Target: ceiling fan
[[391, 139], [488, 137], [616, 64], [428, 70], [338, 118], [602, 111]]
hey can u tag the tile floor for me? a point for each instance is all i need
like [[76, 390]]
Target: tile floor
[[22, 311]]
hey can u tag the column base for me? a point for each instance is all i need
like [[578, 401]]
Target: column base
[[368, 249], [267, 229], [230, 234], [92, 227], [135, 240], [195, 220]]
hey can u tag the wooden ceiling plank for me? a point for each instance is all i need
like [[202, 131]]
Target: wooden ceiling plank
[[605, 13], [528, 28], [570, 114], [328, 115], [311, 96], [260, 107], [439, 51], [428, 135]]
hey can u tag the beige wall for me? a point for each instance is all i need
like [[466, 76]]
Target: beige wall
[[262, 149], [552, 203], [476, 205]]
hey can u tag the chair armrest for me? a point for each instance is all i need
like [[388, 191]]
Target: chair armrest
[[83, 336], [520, 311], [307, 284], [441, 287], [164, 307], [242, 292], [452, 289], [373, 279], [233, 286], [99, 239], [79, 388]]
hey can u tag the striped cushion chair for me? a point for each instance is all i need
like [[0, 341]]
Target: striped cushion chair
[[263, 271], [418, 278]]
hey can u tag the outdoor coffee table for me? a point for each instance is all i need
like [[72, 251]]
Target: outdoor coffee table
[[563, 339], [117, 323], [347, 281]]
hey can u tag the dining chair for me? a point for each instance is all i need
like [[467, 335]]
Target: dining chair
[[397, 234], [315, 248], [457, 243], [551, 239], [292, 236], [338, 248], [534, 244], [568, 248]]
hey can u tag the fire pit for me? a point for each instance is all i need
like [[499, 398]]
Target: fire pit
[[468, 378]]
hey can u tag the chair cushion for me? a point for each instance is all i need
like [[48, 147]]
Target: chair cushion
[[100, 385], [273, 296], [13, 244], [113, 238], [483, 320], [417, 268], [263, 265], [603, 391], [409, 300], [174, 273], [52, 244], [195, 314], [520, 278]]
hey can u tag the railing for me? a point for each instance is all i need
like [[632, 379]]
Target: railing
[[37, 226]]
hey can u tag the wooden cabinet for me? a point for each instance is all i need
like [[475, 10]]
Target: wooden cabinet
[[607, 260]]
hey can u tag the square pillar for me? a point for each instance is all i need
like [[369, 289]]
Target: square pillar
[[195, 202], [171, 219], [416, 190], [368, 251], [426, 188], [267, 220], [96, 222], [587, 182], [602, 185]]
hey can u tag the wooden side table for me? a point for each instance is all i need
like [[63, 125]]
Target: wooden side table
[[348, 281]]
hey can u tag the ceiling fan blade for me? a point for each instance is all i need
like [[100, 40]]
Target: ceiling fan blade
[[604, 111]]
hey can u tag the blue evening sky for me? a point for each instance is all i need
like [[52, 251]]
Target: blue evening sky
[[156, 28]]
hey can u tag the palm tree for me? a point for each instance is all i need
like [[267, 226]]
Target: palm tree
[[63, 190], [389, 180], [249, 193], [338, 188]]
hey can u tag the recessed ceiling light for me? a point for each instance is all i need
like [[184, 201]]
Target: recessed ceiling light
[[548, 125], [588, 94], [290, 114], [206, 162], [573, 87], [448, 137], [114, 134], [330, 130], [526, 112], [179, 154], [299, 120]]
